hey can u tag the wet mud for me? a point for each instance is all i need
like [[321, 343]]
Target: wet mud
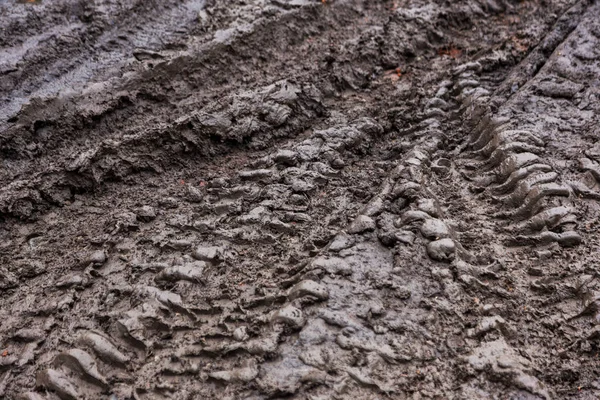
[[304, 199]]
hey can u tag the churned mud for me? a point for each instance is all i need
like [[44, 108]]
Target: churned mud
[[307, 199]]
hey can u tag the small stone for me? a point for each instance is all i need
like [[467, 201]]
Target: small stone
[[362, 223], [441, 250], [145, 214], [289, 315]]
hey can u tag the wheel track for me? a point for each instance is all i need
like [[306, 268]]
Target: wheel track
[[352, 334]]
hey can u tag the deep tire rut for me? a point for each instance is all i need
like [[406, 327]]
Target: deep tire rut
[[302, 199]]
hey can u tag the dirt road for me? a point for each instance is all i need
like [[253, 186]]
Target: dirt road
[[338, 199]]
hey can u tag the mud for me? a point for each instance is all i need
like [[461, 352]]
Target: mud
[[303, 199]]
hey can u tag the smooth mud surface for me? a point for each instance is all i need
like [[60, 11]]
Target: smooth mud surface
[[267, 199]]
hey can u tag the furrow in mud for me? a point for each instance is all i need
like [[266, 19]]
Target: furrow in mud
[[523, 171], [129, 99]]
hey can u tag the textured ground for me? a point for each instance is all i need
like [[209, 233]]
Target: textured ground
[[262, 199]]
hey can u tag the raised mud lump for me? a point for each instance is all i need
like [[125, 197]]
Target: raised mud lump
[[361, 224], [309, 288], [290, 316], [441, 250]]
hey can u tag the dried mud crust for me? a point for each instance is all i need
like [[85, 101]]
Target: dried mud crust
[[302, 199]]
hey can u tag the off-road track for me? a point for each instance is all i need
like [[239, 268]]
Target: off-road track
[[264, 199]]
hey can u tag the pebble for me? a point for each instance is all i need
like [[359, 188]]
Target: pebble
[[441, 250], [361, 224]]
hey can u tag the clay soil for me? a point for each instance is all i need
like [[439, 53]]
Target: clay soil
[[305, 199]]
